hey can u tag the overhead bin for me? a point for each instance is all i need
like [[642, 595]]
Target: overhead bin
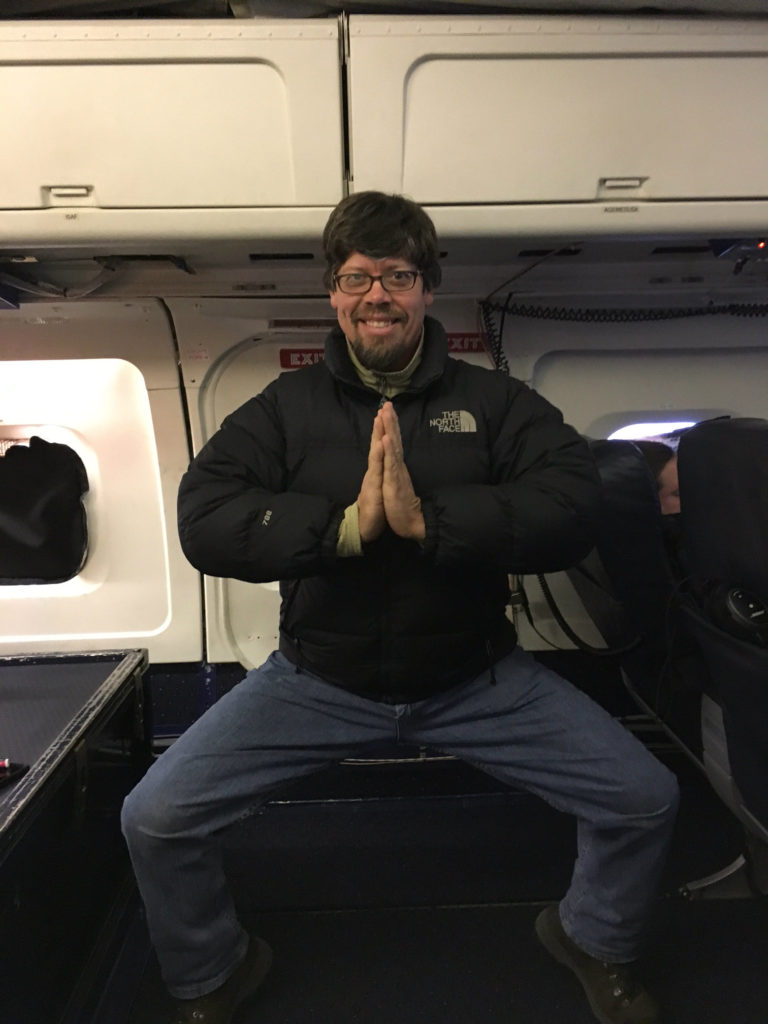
[[592, 124], [153, 129]]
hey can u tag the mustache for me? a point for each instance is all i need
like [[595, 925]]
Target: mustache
[[380, 309]]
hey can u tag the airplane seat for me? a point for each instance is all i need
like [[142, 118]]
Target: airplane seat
[[723, 471], [629, 587]]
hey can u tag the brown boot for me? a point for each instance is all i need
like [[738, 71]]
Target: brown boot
[[218, 1007], [614, 995]]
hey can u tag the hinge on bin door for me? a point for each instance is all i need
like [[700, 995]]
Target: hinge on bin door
[[344, 48], [344, 38]]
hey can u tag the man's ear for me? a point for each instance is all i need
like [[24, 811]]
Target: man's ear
[[334, 299], [428, 297]]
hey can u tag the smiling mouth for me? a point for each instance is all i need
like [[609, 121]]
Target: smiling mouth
[[378, 319]]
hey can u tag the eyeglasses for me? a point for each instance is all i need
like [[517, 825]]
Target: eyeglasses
[[358, 282]]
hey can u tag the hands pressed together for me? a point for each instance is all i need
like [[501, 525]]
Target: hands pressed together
[[386, 493]]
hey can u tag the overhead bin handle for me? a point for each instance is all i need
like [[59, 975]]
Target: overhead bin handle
[[632, 183], [66, 194]]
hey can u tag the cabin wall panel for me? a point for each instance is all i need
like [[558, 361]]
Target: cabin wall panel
[[603, 375], [120, 596], [136, 587], [528, 340], [667, 385], [183, 640], [228, 353]]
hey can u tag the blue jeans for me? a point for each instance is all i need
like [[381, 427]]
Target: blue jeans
[[530, 728]]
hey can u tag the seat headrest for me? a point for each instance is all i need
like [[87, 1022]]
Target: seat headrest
[[630, 542], [723, 473]]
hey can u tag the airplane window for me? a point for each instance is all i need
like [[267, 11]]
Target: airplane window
[[43, 532], [641, 431], [9, 442]]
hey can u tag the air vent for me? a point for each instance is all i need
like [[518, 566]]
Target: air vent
[[271, 257], [114, 262], [528, 254], [9, 297], [680, 250]]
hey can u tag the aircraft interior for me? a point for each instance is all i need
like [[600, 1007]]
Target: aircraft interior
[[596, 174]]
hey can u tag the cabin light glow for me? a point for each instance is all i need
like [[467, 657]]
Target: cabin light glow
[[635, 431]]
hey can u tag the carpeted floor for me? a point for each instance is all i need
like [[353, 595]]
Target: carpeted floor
[[416, 910], [705, 961]]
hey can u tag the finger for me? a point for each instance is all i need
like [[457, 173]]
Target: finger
[[376, 450], [376, 457], [389, 416], [391, 426], [395, 472], [389, 448]]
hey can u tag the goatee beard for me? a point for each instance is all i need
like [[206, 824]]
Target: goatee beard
[[380, 360]]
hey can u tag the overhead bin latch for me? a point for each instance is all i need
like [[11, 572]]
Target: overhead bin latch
[[67, 195], [621, 186]]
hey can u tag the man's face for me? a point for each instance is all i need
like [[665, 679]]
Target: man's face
[[382, 327], [669, 489]]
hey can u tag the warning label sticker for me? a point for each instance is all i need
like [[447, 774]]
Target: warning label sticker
[[466, 342], [293, 358]]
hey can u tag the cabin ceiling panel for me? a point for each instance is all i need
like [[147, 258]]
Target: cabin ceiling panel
[[643, 269]]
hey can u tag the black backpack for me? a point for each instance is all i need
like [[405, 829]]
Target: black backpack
[[43, 530]]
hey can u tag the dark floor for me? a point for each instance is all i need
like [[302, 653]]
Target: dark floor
[[390, 894], [417, 909], [480, 965]]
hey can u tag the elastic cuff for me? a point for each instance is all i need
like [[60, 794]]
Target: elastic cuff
[[349, 544]]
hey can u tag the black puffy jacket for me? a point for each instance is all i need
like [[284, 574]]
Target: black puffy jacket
[[506, 487]]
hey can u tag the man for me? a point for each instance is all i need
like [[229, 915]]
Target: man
[[391, 490], [662, 462]]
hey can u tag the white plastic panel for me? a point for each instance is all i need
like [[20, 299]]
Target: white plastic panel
[[133, 485], [177, 122], [169, 116], [243, 617], [533, 345], [229, 352], [601, 111], [121, 596], [632, 384]]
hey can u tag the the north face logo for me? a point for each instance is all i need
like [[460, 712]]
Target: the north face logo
[[457, 421]]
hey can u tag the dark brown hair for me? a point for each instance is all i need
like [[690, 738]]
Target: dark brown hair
[[657, 455], [381, 226]]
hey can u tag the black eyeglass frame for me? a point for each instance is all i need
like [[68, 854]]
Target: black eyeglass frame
[[416, 274]]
